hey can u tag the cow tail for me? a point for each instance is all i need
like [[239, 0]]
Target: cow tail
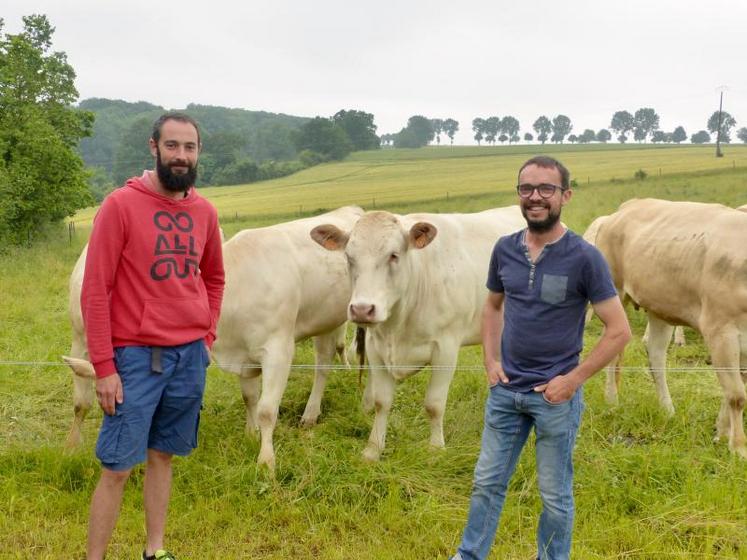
[[360, 348]]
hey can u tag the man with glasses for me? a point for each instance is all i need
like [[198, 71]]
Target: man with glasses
[[540, 281]]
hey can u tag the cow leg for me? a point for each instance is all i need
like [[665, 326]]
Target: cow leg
[[612, 385], [679, 336], [436, 395], [382, 387], [325, 347], [276, 365], [249, 380], [82, 401], [83, 393], [725, 353], [660, 333], [367, 402]]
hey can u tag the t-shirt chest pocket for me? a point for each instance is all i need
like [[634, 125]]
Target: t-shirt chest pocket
[[554, 288]]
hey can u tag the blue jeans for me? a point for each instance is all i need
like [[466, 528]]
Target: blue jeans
[[509, 417]]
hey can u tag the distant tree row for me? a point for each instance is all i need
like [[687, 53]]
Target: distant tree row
[[492, 128], [643, 124]]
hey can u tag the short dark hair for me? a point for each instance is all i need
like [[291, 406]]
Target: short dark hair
[[173, 116], [548, 162]]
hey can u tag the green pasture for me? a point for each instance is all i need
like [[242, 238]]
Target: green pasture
[[647, 486], [383, 178]]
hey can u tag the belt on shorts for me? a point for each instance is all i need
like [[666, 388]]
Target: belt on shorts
[[155, 359]]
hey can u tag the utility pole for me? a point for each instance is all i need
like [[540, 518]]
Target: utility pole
[[718, 130]]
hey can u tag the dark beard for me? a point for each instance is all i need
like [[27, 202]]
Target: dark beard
[[541, 226], [170, 180]]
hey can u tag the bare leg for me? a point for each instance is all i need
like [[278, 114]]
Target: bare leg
[[105, 505], [156, 492]]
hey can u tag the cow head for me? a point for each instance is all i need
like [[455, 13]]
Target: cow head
[[380, 261]]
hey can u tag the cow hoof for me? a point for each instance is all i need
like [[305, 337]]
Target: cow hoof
[[371, 454], [308, 422], [611, 400], [740, 452], [73, 441], [267, 463], [251, 431]]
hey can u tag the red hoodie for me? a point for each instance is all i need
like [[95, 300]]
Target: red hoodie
[[154, 272]]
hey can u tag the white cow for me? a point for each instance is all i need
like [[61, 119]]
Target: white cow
[[686, 264], [419, 287], [614, 371], [281, 287]]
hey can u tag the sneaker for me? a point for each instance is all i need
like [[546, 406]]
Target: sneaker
[[159, 555]]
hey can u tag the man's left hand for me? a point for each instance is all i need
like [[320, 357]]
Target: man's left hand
[[561, 388]]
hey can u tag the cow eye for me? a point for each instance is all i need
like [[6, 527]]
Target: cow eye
[[393, 258]]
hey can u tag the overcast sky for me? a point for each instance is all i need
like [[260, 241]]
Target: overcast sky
[[582, 58]]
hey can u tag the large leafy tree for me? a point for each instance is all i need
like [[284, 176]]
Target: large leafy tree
[[479, 127], [450, 128], [42, 178], [645, 122], [622, 123], [543, 127], [561, 127], [324, 137], [679, 135], [418, 132], [742, 134], [438, 128], [700, 137], [510, 126], [359, 127], [492, 129], [603, 136], [727, 123]]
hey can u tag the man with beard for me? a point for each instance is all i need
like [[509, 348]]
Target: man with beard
[[540, 281], [151, 296]]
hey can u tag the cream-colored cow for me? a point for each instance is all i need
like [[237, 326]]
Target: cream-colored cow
[[686, 264], [614, 370], [281, 287], [419, 288]]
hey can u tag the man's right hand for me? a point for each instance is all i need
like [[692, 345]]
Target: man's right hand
[[109, 391], [495, 374]]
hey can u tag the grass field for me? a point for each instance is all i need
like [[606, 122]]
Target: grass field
[[647, 486]]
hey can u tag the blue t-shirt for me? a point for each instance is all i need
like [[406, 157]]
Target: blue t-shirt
[[545, 304]]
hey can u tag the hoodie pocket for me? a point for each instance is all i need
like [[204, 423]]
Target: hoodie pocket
[[173, 316]]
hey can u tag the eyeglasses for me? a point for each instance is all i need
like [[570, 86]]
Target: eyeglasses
[[545, 190]]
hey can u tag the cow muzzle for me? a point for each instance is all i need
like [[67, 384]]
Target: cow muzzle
[[362, 313]]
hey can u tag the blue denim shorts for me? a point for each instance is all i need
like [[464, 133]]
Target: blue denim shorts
[[161, 410]]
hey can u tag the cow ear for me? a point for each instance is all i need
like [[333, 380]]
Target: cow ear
[[330, 237], [421, 234]]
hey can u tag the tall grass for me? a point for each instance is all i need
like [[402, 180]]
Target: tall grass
[[647, 486]]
